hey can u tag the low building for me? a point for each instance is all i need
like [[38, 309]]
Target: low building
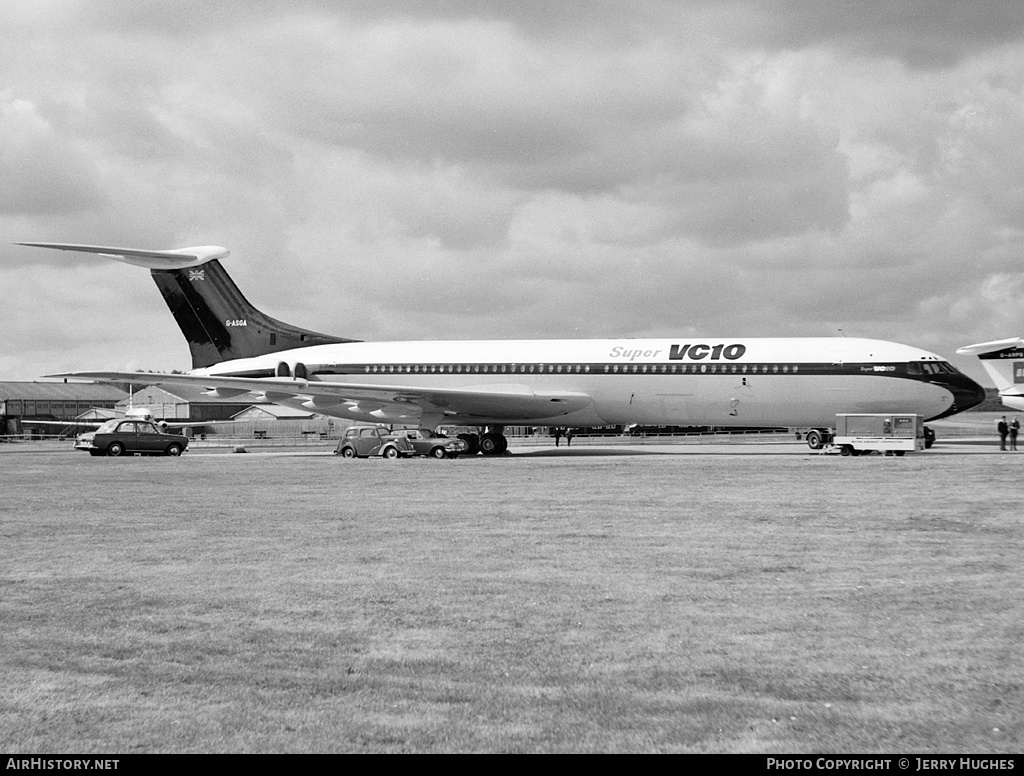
[[275, 420], [22, 402], [182, 403], [272, 412]]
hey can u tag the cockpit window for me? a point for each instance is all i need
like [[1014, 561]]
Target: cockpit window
[[931, 368]]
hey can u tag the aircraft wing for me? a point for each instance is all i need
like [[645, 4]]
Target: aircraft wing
[[64, 423], [98, 423], [507, 402], [195, 423], [93, 424]]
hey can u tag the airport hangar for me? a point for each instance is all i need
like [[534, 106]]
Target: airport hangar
[[20, 403], [23, 402]]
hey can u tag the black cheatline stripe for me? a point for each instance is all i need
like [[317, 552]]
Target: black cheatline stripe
[[701, 368]]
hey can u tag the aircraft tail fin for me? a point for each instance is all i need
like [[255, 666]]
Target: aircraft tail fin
[[1004, 362], [217, 320]]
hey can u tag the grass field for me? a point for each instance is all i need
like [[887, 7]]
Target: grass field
[[623, 603]]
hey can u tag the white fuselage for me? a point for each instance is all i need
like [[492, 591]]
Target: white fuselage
[[791, 382]]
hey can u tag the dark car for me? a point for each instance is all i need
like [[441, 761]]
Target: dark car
[[426, 442], [128, 437], [366, 441]]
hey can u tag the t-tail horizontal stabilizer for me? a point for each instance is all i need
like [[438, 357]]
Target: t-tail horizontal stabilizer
[[1004, 362], [179, 258], [217, 320]]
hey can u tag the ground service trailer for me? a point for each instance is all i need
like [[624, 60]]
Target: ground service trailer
[[887, 433]]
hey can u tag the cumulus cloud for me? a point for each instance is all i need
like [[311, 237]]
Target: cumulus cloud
[[427, 170], [919, 33], [42, 173]]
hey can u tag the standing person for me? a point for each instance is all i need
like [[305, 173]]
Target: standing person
[[558, 435], [1014, 428], [568, 437], [1003, 430]]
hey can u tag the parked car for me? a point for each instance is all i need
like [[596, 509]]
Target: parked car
[[426, 442], [126, 437], [367, 441]]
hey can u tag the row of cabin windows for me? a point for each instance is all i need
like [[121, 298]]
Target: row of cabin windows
[[583, 368]]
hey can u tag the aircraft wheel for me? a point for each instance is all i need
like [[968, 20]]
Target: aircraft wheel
[[438, 453], [489, 444], [473, 443], [115, 448], [174, 449]]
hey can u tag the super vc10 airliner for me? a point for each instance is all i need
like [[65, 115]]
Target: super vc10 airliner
[[490, 384]]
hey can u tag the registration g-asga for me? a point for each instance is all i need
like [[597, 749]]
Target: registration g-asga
[[696, 352]]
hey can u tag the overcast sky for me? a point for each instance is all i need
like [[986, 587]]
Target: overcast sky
[[528, 169]]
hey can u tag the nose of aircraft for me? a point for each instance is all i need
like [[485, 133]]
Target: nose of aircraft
[[966, 393]]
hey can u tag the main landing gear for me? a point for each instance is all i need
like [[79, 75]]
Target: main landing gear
[[491, 442]]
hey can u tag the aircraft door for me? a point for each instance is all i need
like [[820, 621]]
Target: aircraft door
[[674, 408]]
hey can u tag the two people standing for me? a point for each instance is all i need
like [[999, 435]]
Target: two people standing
[[1008, 430]]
